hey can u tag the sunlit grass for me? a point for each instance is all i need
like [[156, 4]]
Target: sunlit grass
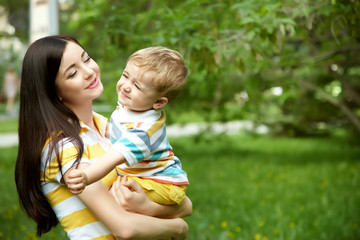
[[14, 222], [8, 126], [262, 188], [245, 188]]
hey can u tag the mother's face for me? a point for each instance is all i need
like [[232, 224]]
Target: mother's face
[[78, 79]]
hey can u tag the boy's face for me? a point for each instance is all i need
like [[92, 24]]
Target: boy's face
[[135, 93]]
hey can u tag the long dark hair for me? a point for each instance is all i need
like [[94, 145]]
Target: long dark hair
[[42, 116]]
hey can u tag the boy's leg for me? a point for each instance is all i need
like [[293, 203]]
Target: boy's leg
[[160, 192]]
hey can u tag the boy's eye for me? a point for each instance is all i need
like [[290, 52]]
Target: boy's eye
[[137, 86], [87, 59]]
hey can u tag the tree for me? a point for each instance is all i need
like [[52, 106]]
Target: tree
[[240, 52], [17, 16]]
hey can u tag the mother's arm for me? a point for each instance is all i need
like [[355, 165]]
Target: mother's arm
[[133, 198], [127, 225]]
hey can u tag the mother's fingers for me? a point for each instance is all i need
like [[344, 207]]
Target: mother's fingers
[[133, 186], [115, 191], [125, 190]]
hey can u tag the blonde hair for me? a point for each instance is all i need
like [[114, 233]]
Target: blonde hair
[[168, 65]]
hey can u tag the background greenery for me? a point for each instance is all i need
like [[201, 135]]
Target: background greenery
[[245, 188], [290, 64], [293, 65]]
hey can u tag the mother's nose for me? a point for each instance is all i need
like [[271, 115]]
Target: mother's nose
[[89, 72]]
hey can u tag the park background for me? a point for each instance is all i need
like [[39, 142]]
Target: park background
[[290, 65]]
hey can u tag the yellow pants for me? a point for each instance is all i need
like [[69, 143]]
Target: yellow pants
[[161, 192]]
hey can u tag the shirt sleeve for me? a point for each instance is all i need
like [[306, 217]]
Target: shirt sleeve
[[67, 153], [134, 145]]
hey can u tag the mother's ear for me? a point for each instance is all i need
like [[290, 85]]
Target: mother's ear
[[160, 103]]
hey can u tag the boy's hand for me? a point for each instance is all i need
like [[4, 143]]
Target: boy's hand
[[76, 181]]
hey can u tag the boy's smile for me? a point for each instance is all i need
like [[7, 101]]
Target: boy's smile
[[136, 91]]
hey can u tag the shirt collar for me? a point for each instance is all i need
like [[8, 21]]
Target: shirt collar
[[132, 116], [100, 122]]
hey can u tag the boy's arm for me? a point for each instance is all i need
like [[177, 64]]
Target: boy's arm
[[78, 179]]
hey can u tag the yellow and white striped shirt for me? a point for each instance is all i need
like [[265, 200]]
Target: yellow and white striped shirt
[[76, 219]]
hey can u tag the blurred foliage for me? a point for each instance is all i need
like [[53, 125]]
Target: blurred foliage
[[239, 52], [293, 65], [18, 17], [16, 13]]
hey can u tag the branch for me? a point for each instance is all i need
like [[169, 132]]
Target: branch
[[347, 86], [355, 47], [328, 97]]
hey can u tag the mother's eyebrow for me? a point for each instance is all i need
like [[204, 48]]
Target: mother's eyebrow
[[72, 65]]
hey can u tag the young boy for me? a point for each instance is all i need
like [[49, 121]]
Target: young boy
[[153, 77]]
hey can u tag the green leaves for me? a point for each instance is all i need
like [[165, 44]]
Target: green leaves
[[235, 46]]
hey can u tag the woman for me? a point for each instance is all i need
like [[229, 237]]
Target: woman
[[58, 131], [11, 87]]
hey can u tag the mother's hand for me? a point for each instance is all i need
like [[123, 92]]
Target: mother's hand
[[131, 196]]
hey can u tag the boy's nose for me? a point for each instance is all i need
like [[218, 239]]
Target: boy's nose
[[126, 87]]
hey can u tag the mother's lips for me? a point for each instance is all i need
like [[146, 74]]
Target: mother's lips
[[93, 84]]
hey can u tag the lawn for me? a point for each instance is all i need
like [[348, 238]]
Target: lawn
[[245, 187], [8, 126]]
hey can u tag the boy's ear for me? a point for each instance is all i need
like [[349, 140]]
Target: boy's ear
[[160, 103]]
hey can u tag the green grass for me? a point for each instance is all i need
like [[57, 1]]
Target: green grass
[[263, 188], [8, 126], [242, 187]]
